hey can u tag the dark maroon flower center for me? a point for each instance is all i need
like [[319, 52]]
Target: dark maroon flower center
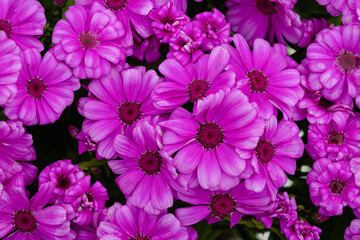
[[24, 221], [209, 135], [90, 197], [325, 103], [222, 205], [116, 5], [140, 237], [5, 26], [36, 87], [129, 112], [150, 162], [88, 40], [335, 137], [63, 182], [348, 61], [266, 6], [197, 89], [258, 81], [264, 151], [336, 186]]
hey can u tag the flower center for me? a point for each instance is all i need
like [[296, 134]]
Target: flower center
[[264, 151], [336, 186], [348, 61], [63, 182], [335, 137], [258, 81], [209, 135], [150, 162], [5, 26], [222, 205], [116, 5], [88, 40], [36, 87], [266, 6], [325, 103], [140, 237], [24, 221], [90, 197], [129, 112], [197, 89]]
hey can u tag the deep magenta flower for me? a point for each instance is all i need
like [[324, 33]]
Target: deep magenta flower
[[332, 187], [275, 154], [216, 140], [146, 172], [89, 41], [265, 19], [214, 206], [334, 62], [311, 28], [129, 222], [335, 141], [45, 87], [63, 175], [85, 200], [16, 147], [121, 100], [193, 81], [23, 21], [10, 67], [353, 231], [265, 76], [301, 230], [21, 218]]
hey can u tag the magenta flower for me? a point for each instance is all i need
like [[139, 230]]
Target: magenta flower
[[216, 205], [63, 175], [146, 173], [121, 100], [16, 147], [301, 230], [89, 41], [311, 28], [86, 144], [181, 5], [24, 219], [146, 48], [216, 27], [335, 67], [129, 222], [265, 19], [265, 76], [166, 20], [23, 21], [275, 154], [332, 187], [45, 87], [193, 81], [336, 141], [216, 140], [334, 7], [351, 13], [353, 231], [89, 232], [11, 65], [85, 200]]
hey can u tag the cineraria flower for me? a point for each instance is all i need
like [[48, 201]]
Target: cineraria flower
[[334, 62], [85, 200], [216, 140], [193, 81], [130, 222], [265, 77], [146, 48], [266, 19], [89, 41], [88, 232], [332, 187], [146, 174], [24, 219], [185, 43], [351, 13], [275, 154], [121, 100], [44, 88], [23, 21], [311, 28], [335, 140], [216, 27], [63, 175], [353, 231], [10, 68], [214, 206], [301, 230], [334, 7], [15, 146]]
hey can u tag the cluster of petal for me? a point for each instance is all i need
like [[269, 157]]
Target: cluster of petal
[[351, 14], [336, 7], [147, 48], [301, 230], [311, 28], [86, 144], [353, 231]]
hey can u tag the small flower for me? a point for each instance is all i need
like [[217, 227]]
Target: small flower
[[311, 28], [146, 48], [353, 231], [301, 230]]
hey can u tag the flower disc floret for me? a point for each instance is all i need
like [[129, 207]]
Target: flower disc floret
[[222, 205], [209, 135], [24, 221]]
